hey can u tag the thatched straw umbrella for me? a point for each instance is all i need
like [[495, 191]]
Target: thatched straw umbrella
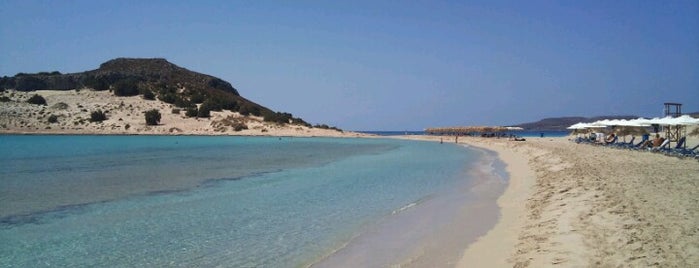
[[694, 132], [630, 130], [464, 130]]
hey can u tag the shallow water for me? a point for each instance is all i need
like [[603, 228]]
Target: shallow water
[[214, 201], [433, 232]]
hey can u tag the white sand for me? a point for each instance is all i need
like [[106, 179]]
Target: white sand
[[584, 205], [580, 205]]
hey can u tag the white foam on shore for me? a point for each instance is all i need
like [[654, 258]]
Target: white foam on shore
[[405, 208]]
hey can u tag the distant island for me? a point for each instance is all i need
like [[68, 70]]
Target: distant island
[[561, 123], [139, 96]]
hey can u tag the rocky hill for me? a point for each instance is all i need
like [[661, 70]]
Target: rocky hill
[[152, 78], [122, 94]]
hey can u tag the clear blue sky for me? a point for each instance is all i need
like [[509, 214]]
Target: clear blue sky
[[387, 65]]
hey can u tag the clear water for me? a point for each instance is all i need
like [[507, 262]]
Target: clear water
[[207, 201]]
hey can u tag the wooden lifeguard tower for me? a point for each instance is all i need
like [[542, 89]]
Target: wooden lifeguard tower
[[673, 109], [674, 133]]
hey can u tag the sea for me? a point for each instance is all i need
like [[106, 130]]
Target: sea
[[193, 201]]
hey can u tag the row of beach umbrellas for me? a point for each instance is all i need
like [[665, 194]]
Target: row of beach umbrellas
[[684, 120]]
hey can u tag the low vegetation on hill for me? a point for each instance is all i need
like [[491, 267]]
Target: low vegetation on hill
[[197, 94], [98, 116], [37, 99], [152, 117]]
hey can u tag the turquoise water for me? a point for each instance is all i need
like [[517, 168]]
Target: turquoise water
[[208, 201]]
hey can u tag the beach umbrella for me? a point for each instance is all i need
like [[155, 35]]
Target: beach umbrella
[[639, 122], [603, 123], [614, 122], [578, 125], [632, 127], [665, 121], [632, 123], [684, 120], [596, 124]]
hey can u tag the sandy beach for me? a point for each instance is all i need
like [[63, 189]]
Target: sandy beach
[[581, 205], [566, 204]]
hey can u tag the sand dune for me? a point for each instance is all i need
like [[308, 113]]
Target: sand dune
[[125, 115]]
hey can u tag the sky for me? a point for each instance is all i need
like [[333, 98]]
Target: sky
[[387, 65]]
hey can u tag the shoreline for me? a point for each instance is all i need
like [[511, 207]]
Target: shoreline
[[579, 205], [588, 205], [494, 248], [430, 232]]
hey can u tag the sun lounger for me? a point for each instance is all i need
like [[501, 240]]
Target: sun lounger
[[625, 145], [643, 140], [666, 148], [680, 143], [679, 150], [693, 152], [612, 142], [662, 146]]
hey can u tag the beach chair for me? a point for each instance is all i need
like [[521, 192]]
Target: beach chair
[[693, 152], [613, 141], [626, 145], [643, 140], [680, 145], [662, 146], [601, 138], [679, 149]]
